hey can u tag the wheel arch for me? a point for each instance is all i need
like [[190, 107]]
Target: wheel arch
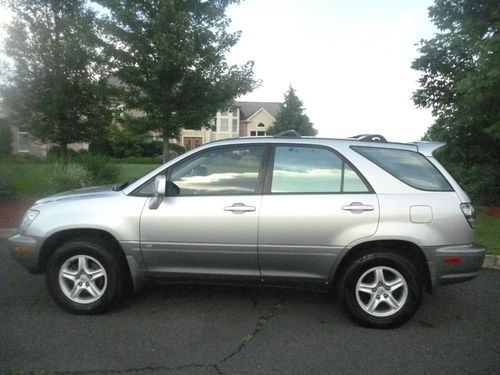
[[407, 249], [52, 243]]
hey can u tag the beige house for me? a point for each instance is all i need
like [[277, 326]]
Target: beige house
[[243, 119]]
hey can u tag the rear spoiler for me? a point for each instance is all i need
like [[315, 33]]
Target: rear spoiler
[[427, 148]]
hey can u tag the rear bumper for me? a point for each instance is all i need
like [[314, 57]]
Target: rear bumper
[[454, 264]]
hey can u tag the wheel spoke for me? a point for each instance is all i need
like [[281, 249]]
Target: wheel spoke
[[93, 290], [75, 292], [96, 274], [366, 288], [379, 275], [395, 284], [391, 301], [81, 264], [373, 304], [67, 274]]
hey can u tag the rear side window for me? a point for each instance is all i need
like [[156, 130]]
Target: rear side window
[[408, 166], [301, 169]]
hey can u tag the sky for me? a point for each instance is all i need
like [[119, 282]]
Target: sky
[[348, 60]]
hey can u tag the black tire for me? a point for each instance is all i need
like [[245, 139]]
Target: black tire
[[94, 296], [372, 303]]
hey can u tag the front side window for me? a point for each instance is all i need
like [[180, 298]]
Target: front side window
[[226, 170], [313, 170], [412, 168]]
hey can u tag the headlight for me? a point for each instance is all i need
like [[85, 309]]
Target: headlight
[[28, 218]]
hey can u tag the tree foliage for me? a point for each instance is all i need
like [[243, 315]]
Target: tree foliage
[[171, 56], [56, 90], [292, 117], [460, 82]]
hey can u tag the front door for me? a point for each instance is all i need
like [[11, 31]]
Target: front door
[[210, 227]]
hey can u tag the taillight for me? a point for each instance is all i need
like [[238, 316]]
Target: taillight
[[469, 213]]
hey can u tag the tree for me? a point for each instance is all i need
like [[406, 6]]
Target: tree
[[460, 82], [170, 55], [292, 117], [56, 90]]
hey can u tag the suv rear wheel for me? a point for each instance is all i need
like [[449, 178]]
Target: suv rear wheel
[[381, 290], [85, 276]]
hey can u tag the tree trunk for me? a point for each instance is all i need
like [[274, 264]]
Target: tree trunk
[[65, 156], [166, 147]]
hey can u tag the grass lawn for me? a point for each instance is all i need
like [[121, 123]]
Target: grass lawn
[[488, 233], [32, 180], [130, 171]]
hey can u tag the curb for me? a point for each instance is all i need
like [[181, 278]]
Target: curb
[[490, 261]]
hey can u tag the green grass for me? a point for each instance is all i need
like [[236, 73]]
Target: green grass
[[488, 233], [130, 171], [32, 180]]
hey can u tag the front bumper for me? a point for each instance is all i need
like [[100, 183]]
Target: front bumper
[[26, 251], [454, 264]]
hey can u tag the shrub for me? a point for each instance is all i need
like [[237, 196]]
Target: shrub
[[72, 176], [101, 171]]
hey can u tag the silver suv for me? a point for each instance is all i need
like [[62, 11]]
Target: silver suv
[[378, 221]]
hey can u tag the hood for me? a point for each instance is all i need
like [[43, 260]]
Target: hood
[[89, 192]]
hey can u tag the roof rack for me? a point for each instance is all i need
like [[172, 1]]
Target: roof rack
[[370, 138], [287, 134]]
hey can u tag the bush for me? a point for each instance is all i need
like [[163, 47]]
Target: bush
[[73, 176], [101, 171]]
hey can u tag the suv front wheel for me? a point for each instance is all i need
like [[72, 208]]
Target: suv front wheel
[[85, 276], [381, 290]]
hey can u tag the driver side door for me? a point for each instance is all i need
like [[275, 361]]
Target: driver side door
[[210, 227]]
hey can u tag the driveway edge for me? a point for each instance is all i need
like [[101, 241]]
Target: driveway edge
[[490, 261]]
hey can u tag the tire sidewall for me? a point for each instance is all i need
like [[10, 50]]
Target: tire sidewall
[[363, 264], [101, 254]]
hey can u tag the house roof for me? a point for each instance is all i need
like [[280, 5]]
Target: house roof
[[248, 109]]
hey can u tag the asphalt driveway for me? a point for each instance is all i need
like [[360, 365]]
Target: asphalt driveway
[[233, 330]]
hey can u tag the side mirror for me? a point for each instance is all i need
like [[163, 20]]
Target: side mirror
[[160, 188]]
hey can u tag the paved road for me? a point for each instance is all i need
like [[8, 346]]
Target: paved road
[[232, 330]]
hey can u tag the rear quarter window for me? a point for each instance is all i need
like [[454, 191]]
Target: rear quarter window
[[410, 167]]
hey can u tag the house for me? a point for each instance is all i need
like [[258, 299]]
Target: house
[[24, 144], [243, 119]]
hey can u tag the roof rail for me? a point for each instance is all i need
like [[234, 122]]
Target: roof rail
[[370, 138], [287, 134]]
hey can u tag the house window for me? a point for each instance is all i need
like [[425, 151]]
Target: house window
[[255, 133], [235, 125], [213, 125], [235, 112], [23, 142], [261, 125], [224, 125]]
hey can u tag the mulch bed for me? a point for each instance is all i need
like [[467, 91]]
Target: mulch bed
[[11, 213], [492, 211]]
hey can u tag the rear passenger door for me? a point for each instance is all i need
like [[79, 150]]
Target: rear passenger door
[[314, 204]]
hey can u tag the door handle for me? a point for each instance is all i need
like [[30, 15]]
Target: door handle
[[358, 207], [239, 208]]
